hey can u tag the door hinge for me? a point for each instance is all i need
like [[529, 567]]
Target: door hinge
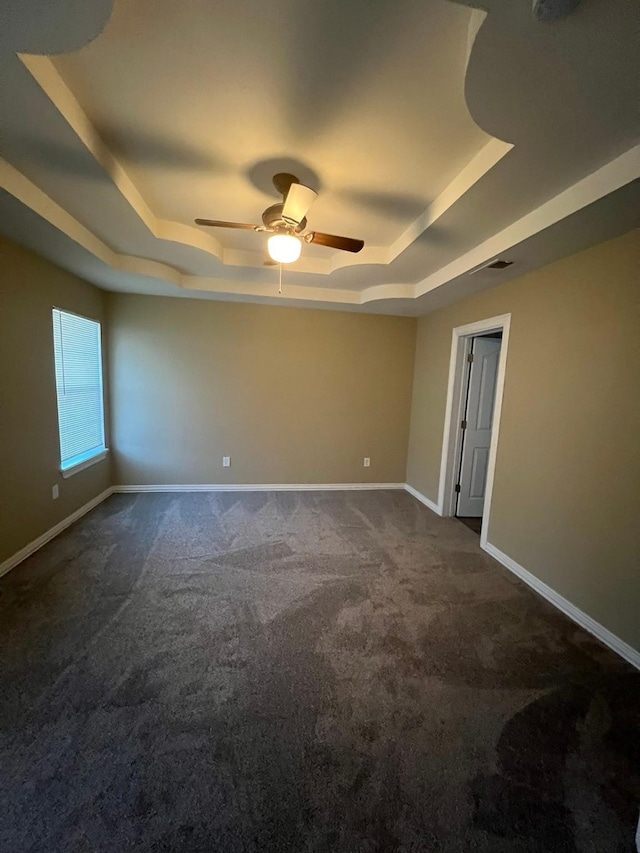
[[470, 358], [457, 487], [463, 424]]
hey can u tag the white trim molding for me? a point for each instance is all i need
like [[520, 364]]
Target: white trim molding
[[32, 547], [460, 338], [259, 487], [574, 613], [423, 499], [81, 466]]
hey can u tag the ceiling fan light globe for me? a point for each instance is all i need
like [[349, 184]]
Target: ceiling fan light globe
[[284, 248]]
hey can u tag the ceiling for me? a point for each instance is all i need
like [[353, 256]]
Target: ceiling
[[441, 135]]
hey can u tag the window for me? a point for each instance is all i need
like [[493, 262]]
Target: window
[[78, 358]]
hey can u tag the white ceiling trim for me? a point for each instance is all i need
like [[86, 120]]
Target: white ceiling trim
[[45, 74], [612, 176], [25, 191], [21, 188], [477, 168], [607, 179], [48, 78]]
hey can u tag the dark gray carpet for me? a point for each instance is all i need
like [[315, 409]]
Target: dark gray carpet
[[302, 672]]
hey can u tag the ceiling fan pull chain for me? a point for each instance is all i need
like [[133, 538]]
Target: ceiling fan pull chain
[[280, 287]]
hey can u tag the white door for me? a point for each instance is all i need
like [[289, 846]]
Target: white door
[[477, 424]]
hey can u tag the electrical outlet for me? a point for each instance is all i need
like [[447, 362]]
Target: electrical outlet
[[55, 492], [226, 462], [367, 462]]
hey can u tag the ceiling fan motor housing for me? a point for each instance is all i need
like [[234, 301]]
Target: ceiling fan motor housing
[[288, 218], [272, 218]]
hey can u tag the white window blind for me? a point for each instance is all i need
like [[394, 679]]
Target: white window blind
[[78, 359]]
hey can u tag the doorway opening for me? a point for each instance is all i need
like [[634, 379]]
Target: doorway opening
[[474, 402], [479, 387]]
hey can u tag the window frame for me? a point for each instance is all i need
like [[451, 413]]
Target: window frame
[[100, 453]]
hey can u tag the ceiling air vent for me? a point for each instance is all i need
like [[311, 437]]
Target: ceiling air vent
[[497, 264]]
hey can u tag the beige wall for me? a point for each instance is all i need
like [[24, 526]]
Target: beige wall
[[566, 494], [292, 395], [29, 450]]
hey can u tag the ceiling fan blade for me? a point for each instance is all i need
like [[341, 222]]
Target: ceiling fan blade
[[347, 244], [219, 223], [297, 203]]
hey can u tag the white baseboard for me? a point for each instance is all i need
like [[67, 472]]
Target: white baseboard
[[32, 547], [259, 487], [423, 499], [580, 617]]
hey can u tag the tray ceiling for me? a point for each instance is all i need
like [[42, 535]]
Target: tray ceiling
[[438, 134]]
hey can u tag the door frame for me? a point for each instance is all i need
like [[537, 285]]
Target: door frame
[[454, 413]]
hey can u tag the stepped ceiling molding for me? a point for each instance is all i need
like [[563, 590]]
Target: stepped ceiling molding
[[441, 134]]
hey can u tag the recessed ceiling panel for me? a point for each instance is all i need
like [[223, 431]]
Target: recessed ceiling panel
[[193, 97]]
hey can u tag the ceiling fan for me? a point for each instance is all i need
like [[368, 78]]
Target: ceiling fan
[[286, 222]]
